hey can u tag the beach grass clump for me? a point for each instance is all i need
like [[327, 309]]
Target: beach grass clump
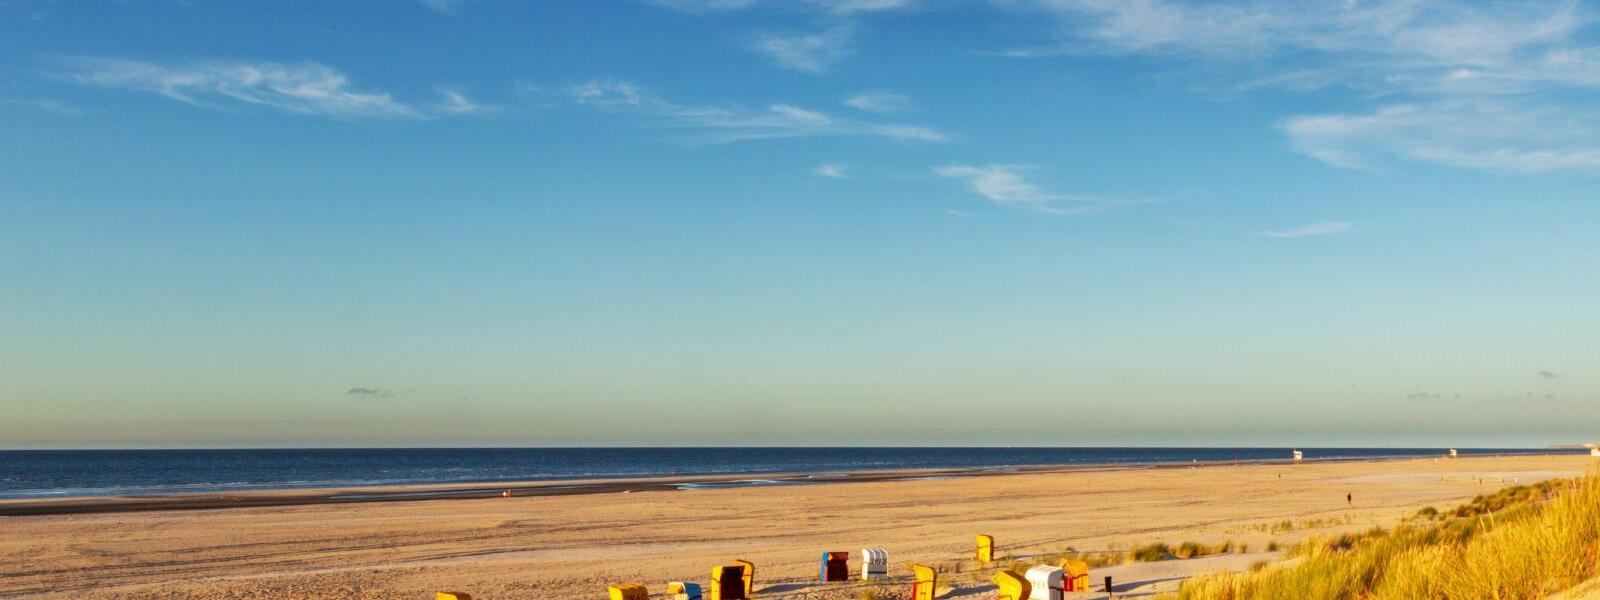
[[1288, 525], [1100, 559], [1522, 542], [1428, 513], [1193, 549], [1151, 553], [1186, 550], [1189, 550]]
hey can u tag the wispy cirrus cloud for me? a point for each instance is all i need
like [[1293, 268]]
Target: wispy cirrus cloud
[[455, 102], [808, 52], [880, 102], [306, 88], [1511, 136], [1415, 35], [706, 124], [1495, 86], [1002, 184], [1006, 185], [1311, 230]]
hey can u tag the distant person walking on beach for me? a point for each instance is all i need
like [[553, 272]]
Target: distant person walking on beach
[[1349, 498]]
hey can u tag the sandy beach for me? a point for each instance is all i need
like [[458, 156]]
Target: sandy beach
[[572, 545]]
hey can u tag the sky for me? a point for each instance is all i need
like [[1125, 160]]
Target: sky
[[811, 222]]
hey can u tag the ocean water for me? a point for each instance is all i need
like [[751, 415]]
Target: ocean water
[[66, 473]]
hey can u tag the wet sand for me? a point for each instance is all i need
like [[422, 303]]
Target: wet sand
[[471, 491], [550, 543]]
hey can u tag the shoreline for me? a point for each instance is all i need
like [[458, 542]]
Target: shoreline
[[78, 505]]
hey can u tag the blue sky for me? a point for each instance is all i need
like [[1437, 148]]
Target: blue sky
[[703, 222]]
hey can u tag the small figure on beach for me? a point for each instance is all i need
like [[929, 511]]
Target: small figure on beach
[[1349, 498]]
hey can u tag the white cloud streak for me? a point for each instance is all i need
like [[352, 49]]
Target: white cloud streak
[[1504, 86], [879, 102], [306, 88], [1001, 184], [1420, 33], [1005, 185], [1312, 230], [1503, 135], [456, 103], [809, 53], [726, 124], [806, 52]]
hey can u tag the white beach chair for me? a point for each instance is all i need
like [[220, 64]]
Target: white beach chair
[[1047, 582], [874, 563]]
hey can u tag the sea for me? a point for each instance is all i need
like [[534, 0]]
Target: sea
[[40, 474]]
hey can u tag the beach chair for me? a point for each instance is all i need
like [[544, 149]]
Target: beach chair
[[679, 590], [749, 577], [1011, 586], [985, 548], [835, 567], [628, 591], [727, 583], [452, 596], [926, 584], [1047, 582], [874, 563], [1077, 578]]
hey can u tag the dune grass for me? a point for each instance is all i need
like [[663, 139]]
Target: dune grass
[[1524, 542]]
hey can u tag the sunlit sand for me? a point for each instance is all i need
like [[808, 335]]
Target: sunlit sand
[[575, 546]]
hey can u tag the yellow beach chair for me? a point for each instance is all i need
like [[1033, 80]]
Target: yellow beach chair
[[927, 583], [1012, 586], [727, 583], [749, 577], [629, 591]]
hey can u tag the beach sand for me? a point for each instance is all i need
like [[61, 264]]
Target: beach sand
[[572, 546]]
